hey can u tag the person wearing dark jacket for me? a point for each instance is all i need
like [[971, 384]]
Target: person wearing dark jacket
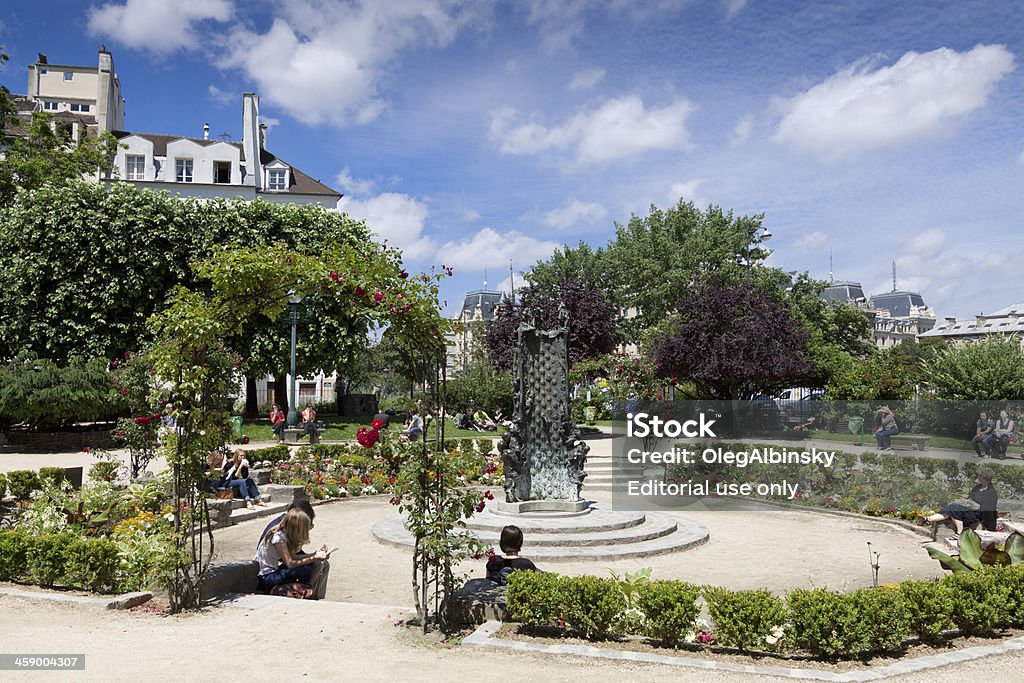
[[500, 566], [983, 495]]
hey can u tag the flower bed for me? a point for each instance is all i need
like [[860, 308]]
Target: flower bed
[[809, 622], [877, 485], [351, 470]]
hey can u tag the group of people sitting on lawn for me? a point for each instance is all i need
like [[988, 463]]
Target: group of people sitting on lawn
[[477, 420], [995, 436]]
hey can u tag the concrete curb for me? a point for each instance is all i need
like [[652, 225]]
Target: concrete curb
[[118, 602], [484, 637]]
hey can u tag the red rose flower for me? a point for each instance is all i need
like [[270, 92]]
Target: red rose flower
[[377, 424], [481, 506], [404, 274], [360, 291], [85, 449], [378, 297]]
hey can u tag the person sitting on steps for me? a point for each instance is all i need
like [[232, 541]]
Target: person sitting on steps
[[500, 566], [281, 560], [236, 475]]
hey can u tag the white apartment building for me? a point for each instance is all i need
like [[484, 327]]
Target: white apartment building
[[89, 101]]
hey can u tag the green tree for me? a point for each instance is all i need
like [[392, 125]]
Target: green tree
[[986, 370], [654, 258]]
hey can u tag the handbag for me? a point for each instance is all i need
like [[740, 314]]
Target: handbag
[[299, 591], [226, 494]]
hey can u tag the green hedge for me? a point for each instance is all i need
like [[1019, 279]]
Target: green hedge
[[22, 483], [59, 559], [274, 454], [52, 476], [3, 485], [819, 622]]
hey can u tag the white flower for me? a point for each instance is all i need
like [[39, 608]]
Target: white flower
[[169, 517], [690, 636], [343, 492]]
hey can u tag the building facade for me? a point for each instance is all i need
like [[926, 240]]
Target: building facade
[[1006, 321], [894, 316], [470, 324]]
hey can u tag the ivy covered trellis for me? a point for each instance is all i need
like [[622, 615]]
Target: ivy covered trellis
[[199, 375]]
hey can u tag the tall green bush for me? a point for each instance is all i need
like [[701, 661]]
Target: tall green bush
[[47, 561], [22, 483], [13, 554], [670, 609], [534, 598], [745, 619], [591, 604], [91, 563], [980, 600], [930, 608], [47, 395], [823, 623]]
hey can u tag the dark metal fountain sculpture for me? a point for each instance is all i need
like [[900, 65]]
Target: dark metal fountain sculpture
[[541, 451]]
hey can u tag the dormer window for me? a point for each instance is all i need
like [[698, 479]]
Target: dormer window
[[75, 106], [135, 167], [277, 179], [49, 106], [183, 170]]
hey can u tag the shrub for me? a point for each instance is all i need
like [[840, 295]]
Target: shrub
[[881, 619], [52, 476], [336, 452], [1013, 577], [534, 598], [22, 483], [91, 563], [929, 608], [46, 395], [822, 622], [485, 446], [745, 619], [591, 604], [274, 454], [669, 608], [980, 600], [13, 553], [46, 558], [3, 485], [104, 470]]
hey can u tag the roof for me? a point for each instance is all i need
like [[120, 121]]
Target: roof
[[299, 182], [487, 300], [1008, 320]]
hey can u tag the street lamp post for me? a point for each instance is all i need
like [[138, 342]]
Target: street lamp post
[[294, 299]]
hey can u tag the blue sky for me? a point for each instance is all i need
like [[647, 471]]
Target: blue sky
[[472, 133]]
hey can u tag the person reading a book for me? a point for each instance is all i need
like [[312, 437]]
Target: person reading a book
[[980, 505], [280, 556]]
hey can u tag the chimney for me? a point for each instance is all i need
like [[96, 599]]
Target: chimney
[[263, 136], [106, 106], [206, 131], [42, 58], [979, 321], [950, 321], [251, 140]]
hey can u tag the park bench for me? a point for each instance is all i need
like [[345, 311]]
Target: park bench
[[293, 434], [918, 442]]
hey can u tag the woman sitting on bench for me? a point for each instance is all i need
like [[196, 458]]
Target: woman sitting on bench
[[963, 514], [279, 558]]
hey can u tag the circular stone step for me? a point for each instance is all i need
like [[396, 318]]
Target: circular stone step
[[599, 535], [592, 520]]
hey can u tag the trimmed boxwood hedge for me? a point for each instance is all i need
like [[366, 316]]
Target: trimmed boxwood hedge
[[59, 559], [819, 622]]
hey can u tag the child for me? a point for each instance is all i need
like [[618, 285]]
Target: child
[[500, 566]]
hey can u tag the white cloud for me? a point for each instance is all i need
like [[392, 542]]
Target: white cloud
[[688, 191], [621, 127], [220, 97], [398, 218], [921, 95], [741, 133], [573, 213], [323, 61], [354, 186], [733, 7], [811, 241], [156, 25], [927, 244], [588, 78], [491, 249]]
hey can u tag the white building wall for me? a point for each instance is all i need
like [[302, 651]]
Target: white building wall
[[202, 160]]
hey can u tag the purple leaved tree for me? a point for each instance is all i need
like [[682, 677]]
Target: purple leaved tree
[[732, 341]]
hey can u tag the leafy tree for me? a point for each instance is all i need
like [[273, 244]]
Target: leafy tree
[[878, 378], [82, 267], [732, 341], [592, 322], [581, 263], [654, 258], [988, 369], [479, 385]]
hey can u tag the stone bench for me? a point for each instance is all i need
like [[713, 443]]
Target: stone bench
[[478, 601], [293, 434], [918, 442], [230, 577]]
